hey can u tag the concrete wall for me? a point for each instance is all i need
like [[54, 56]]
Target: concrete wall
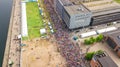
[[111, 43], [59, 7], [66, 17], [73, 21], [80, 20]]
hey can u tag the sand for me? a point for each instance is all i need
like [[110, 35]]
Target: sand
[[41, 53]]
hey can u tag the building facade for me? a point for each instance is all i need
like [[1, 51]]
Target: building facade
[[103, 11], [106, 16], [113, 40], [74, 15]]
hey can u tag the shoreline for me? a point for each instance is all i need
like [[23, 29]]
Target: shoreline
[[7, 48]]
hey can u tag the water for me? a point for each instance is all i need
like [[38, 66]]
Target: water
[[5, 13]]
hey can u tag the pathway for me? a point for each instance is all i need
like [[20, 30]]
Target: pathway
[[14, 53]]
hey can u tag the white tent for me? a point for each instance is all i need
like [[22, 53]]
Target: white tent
[[114, 22], [24, 29], [43, 31], [106, 30], [52, 31], [19, 36], [87, 34], [50, 27], [49, 23]]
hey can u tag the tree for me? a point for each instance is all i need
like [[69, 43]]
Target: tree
[[99, 38], [92, 40], [89, 55], [87, 42], [99, 52]]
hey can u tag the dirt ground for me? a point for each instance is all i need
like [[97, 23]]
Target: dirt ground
[[41, 53]]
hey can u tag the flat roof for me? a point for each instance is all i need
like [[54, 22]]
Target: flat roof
[[102, 7], [106, 11], [73, 8], [107, 62]]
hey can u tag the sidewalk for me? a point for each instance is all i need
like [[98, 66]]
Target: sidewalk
[[14, 31]]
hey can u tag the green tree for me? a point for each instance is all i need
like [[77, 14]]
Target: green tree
[[89, 55], [87, 42], [99, 52], [92, 39], [99, 38]]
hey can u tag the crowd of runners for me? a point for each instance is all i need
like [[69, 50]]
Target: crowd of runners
[[70, 51]]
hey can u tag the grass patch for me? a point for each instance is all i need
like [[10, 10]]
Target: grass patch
[[117, 1], [24, 38], [34, 20]]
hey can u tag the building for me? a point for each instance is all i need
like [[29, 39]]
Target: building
[[73, 14], [102, 60], [103, 11], [113, 40], [81, 13]]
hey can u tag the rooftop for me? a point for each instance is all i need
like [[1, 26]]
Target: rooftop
[[102, 7], [74, 8], [107, 62], [104, 60]]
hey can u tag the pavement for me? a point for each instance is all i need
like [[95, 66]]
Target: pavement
[[87, 29], [14, 52]]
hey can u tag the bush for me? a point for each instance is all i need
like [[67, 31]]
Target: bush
[[99, 52], [87, 42], [99, 38], [89, 55], [93, 40]]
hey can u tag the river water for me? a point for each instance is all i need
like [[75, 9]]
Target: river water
[[5, 13]]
